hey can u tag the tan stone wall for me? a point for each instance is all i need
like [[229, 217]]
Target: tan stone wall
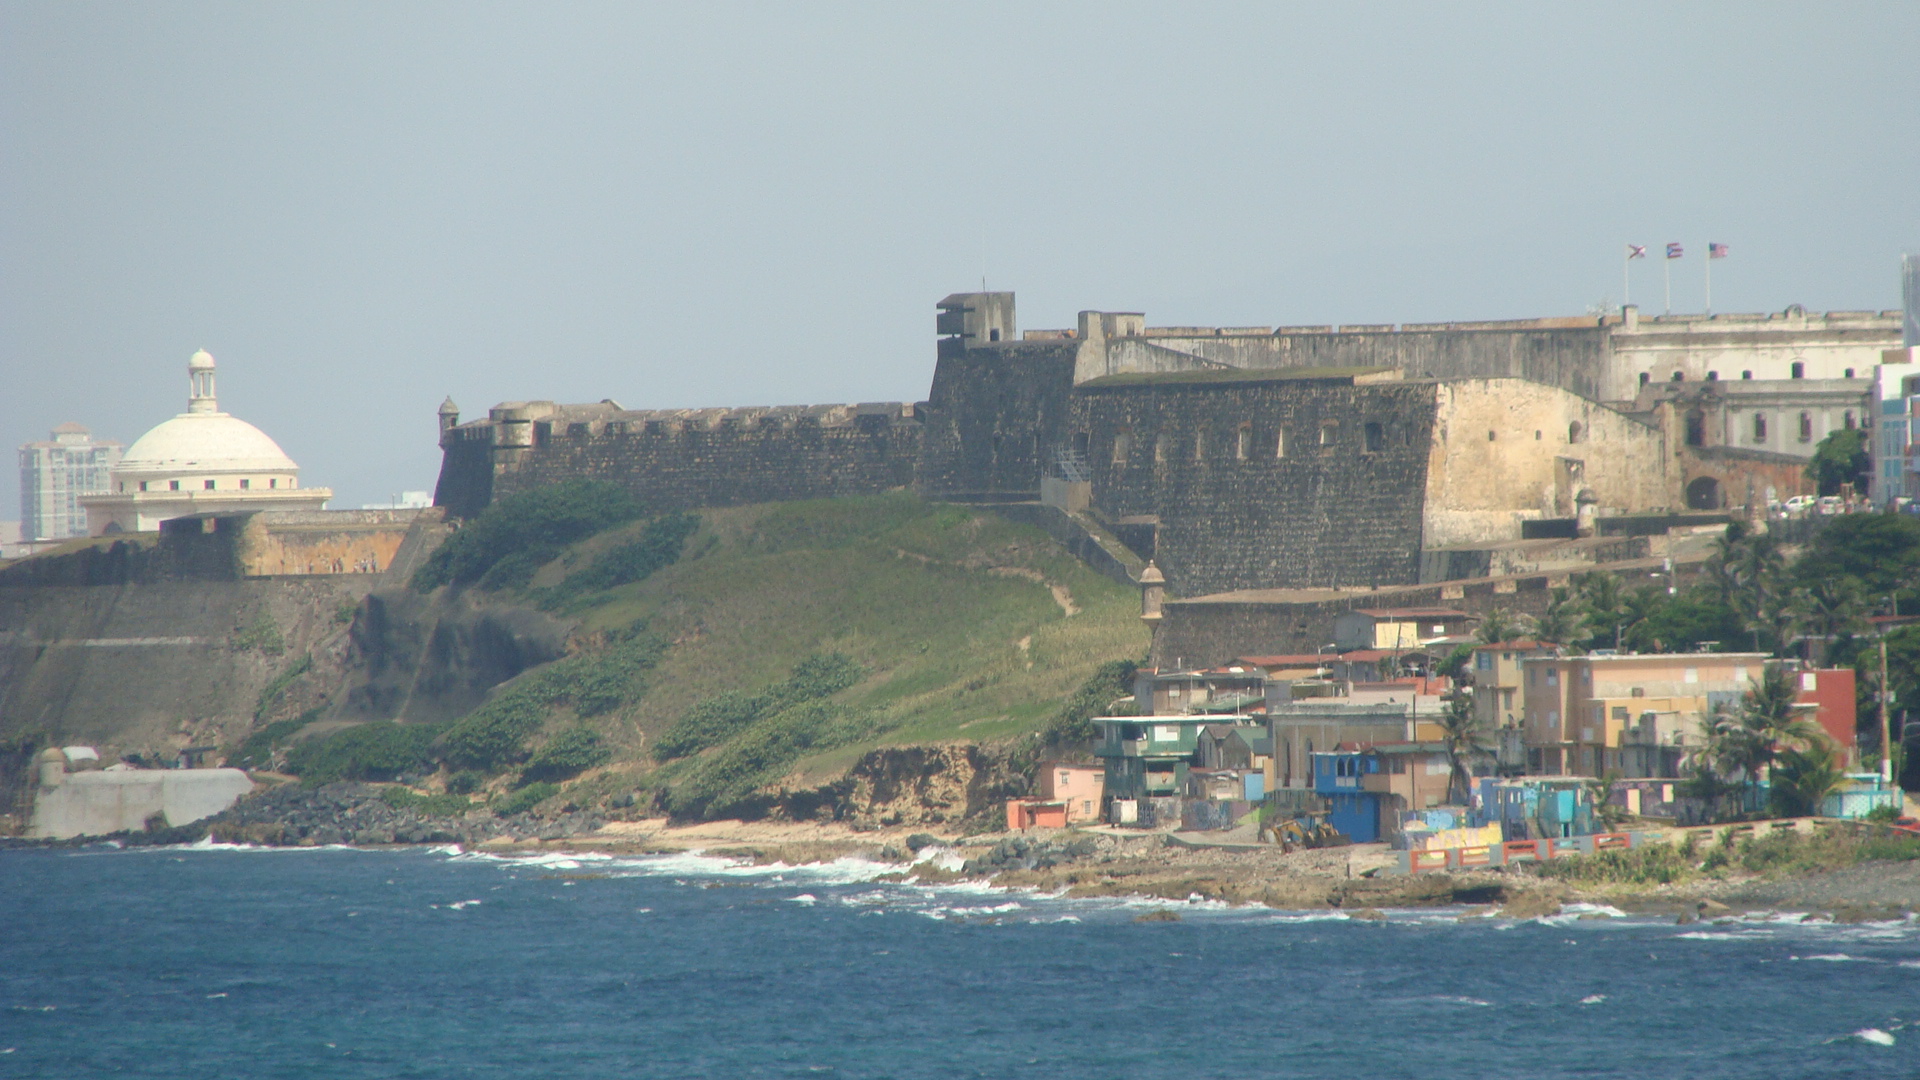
[[1507, 450], [345, 542]]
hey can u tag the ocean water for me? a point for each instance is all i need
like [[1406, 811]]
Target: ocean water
[[212, 962]]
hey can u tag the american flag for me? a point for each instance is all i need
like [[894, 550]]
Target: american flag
[[1636, 251], [1674, 251], [1716, 251]]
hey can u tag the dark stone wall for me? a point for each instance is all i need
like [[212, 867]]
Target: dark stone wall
[[1342, 511], [687, 467], [465, 486], [993, 418]]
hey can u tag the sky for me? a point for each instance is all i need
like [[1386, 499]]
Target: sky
[[362, 208]]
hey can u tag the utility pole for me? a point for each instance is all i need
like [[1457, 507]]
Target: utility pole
[[1886, 721]]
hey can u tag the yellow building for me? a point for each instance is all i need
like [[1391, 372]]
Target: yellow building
[[1639, 714]]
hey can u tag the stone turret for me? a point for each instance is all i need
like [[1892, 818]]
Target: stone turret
[[449, 417], [1153, 590]]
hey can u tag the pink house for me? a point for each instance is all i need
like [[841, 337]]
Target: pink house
[[1081, 787]]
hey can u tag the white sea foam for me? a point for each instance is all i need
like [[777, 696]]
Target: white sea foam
[[1874, 1036], [462, 905], [1838, 957], [1593, 999], [804, 898], [1719, 935]]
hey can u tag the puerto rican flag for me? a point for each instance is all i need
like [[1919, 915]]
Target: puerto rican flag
[[1636, 251], [1674, 251], [1716, 251]]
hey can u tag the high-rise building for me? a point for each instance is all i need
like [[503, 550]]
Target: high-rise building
[[53, 476]]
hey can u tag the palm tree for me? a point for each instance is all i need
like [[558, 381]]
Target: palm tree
[[1562, 621], [1605, 604], [1831, 607], [1804, 778], [1466, 741], [1743, 741], [1497, 626]]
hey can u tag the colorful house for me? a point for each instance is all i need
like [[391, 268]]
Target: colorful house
[[1081, 787], [1351, 810], [1148, 757]]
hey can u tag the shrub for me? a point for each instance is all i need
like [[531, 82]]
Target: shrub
[[381, 750], [262, 634], [430, 805], [270, 696], [714, 720], [657, 547], [567, 754], [525, 799], [257, 751], [524, 531], [465, 782], [494, 735]]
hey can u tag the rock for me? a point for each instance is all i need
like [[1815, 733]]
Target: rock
[[1687, 918], [1710, 908], [1370, 914], [1158, 915], [1530, 906]]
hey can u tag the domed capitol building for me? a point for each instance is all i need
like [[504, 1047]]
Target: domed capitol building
[[202, 462]]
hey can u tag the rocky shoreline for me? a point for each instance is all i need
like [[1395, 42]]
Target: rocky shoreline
[[1096, 863]]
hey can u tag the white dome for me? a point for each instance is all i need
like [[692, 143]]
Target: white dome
[[205, 442]]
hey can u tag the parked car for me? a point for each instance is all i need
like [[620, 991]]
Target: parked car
[[1799, 504], [1832, 504]]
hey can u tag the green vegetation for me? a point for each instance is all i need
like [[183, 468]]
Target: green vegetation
[[787, 640], [275, 690], [525, 799], [494, 736], [567, 754], [657, 547], [1841, 459], [262, 634], [1100, 695], [1780, 853], [257, 752], [513, 538], [382, 750], [430, 805], [716, 719]]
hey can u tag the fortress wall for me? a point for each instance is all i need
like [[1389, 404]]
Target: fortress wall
[[1324, 513], [993, 418], [1508, 450], [682, 466], [465, 486], [324, 542]]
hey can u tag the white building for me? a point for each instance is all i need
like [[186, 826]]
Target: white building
[[53, 476], [202, 461]]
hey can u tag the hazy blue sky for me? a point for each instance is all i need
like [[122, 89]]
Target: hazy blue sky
[[361, 208]]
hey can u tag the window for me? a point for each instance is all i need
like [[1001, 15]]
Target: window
[[1759, 427], [1376, 437], [1243, 443], [1696, 428], [1483, 661], [1692, 675], [173, 485], [1161, 444], [1122, 445], [1328, 429], [245, 483], [1619, 712], [1848, 375], [1645, 378], [1797, 371], [1537, 434], [1806, 427], [1490, 436], [1713, 376], [143, 485], [1280, 443], [1746, 374], [1849, 419], [1576, 432], [1679, 376], [1553, 676], [209, 485], [274, 483]]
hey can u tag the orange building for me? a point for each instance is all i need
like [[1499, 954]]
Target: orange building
[[1081, 787]]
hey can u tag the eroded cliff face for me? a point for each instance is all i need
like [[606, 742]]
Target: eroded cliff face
[[431, 658], [942, 784]]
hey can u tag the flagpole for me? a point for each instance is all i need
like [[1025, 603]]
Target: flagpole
[[1666, 269], [1626, 281], [1709, 279]]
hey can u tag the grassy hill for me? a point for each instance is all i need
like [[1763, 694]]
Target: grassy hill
[[761, 646]]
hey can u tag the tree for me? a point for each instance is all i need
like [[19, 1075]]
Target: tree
[[1803, 778], [1881, 551], [1605, 605], [1497, 626], [1466, 742], [1841, 458], [1456, 665], [1743, 741], [1562, 621], [1830, 608]]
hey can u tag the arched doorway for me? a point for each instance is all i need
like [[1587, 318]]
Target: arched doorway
[[1703, 494]]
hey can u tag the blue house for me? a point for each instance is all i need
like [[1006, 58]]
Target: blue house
[[1353, 811]]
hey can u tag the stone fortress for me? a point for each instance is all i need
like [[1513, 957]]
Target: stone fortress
[[1248, 458]]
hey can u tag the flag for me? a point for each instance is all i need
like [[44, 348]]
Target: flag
[[1716, 251], [1674, 251], [1636, 251]]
